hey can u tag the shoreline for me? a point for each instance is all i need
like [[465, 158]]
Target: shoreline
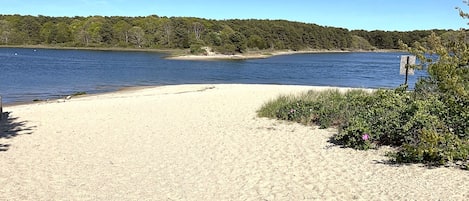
[[182, 54], [71, 96], [262, 54], [196, 142], [117, 49], [147, 87]]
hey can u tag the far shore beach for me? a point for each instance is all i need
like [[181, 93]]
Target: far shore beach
[[180, 54], [262, 54], [258, 55], [195, 142]]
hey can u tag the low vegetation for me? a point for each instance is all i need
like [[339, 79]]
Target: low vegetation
[[427, 125], [79, 93]]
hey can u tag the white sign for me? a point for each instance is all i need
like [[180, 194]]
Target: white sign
[[406, 61]]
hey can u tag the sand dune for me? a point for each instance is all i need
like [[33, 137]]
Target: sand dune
[[195, 142]]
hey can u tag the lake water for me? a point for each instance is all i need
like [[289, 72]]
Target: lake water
[[28, 74]]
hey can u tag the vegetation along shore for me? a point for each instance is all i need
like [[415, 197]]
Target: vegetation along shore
[[195, 36]]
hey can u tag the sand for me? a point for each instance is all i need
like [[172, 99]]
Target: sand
[[195, 142], [252, 55]]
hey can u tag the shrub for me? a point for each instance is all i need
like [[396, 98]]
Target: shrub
[[356, 134], [271, 108], [298, 111], [434, 148], [197, 49], [388, 115], [409, 120], [326, 109]]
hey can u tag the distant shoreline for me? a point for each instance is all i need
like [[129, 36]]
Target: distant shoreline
[[123, 49], [262, 54], [181, 54]]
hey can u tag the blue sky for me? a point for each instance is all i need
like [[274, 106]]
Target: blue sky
[[390, 15]]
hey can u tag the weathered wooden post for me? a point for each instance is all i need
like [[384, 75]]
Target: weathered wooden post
[[406, 62]]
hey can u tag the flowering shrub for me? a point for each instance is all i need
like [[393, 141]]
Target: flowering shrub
[[299, 111], [355, 135], [384, 117]]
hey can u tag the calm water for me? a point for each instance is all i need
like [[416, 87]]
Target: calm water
[[28, 74]]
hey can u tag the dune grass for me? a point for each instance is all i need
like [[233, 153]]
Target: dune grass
[[415, 125]]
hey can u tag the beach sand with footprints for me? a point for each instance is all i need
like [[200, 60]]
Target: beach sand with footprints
[[195, 142]]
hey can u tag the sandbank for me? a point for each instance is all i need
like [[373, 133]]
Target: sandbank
[[252, 55], [195, 142]]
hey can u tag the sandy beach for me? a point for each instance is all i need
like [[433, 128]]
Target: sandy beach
[[195, 142], [259, 55]]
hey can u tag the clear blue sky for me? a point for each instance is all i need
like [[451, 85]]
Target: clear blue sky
[[390, 15]]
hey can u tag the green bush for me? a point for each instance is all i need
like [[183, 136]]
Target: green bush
[[271, 108], [388, 115], [327, 109], [196, 49], [299, 111], [434, 148], [356, 134], [385, 117]]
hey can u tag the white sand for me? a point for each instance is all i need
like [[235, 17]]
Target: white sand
[[260, 55], [196, 142]]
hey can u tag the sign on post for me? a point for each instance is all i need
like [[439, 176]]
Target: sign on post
[[407, 60]]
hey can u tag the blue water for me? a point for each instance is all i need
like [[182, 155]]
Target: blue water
[[28, 74]]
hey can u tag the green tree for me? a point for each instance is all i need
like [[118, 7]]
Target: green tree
[[137, 36], [88, 31], [239, 41], [121, 30], [183, 32], [5, 31], [256, 41], [106, 32], [150, 26], [168, 32], [48, 32], [30, 27], [63, 33], [79, 33], [213, 39]]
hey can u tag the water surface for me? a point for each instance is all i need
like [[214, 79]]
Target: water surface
[[28, 74]]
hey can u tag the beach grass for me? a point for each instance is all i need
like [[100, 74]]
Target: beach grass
[[384, 117], [323, 108]]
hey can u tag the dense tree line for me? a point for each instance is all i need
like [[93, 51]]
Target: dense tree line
[[390, 39], [226, 36]]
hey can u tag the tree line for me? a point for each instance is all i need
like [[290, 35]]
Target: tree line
[[225, 36]]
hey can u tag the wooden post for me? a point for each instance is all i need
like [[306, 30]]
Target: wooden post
[[1, 109], [406, 70]]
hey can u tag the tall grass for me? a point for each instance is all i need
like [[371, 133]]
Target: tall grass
[[326, 108]]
